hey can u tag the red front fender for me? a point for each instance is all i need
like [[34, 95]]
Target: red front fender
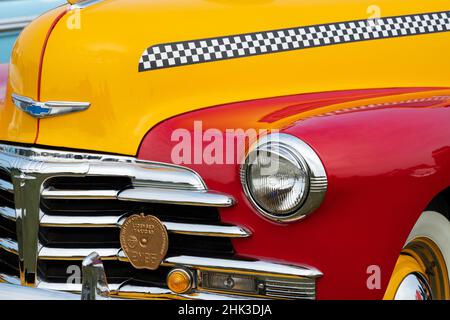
[[386, 153]]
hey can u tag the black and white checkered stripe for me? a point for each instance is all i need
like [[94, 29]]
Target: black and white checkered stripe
[[250, 44]]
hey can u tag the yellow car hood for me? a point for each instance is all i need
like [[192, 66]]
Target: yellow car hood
[[93, 55]]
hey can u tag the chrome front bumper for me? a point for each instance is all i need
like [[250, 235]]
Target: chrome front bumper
[[25, 175], [17, 292]]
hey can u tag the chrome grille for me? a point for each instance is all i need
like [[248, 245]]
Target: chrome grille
[[66, 205], [9, 262], [288, 289]]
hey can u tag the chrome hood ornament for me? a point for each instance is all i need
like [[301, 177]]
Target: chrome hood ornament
[[47, 109]]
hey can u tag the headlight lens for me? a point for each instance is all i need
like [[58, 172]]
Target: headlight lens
[[283, 177], [277, 181]]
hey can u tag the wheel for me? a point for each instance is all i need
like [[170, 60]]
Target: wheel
[[422, 270]]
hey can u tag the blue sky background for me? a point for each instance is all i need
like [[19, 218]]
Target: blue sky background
[[12, 9]]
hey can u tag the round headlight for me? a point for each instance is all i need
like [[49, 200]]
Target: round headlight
[[283, 177], [277, 180]]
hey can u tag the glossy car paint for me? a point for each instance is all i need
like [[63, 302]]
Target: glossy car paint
[[24, 10], [24, 73], [98, 61], [385, 158]]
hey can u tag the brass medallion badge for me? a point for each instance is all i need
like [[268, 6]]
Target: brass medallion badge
[[144, 240]]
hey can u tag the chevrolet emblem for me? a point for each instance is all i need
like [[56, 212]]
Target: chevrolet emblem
[[40, 110], [144, 240]]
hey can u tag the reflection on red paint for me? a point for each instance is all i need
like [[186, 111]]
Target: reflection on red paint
[[384, 164]]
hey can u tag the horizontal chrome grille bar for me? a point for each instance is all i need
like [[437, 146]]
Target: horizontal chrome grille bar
[[283, 296], [46, 253], [293, 292], [8, 213], [299, 286], [117, 221], [180, 197], [289, 284], [80, 221], [145, 194], [50, 163], [207, 230], [9, 245], [51, 193], [6, 186], [254, 267]]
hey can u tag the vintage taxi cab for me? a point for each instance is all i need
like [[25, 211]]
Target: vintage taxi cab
[[121, 173]]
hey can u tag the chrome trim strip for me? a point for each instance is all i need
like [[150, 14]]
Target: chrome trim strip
[[117, 221], [9, 245], [300, 286], [132, 291], [83, 4], [150, 174], [6, 186], [290, 284], [52, 193], [46, 253], [145, 194], [40, 110], [10, 290], [283, 296], [128, 290], [181, 197], [80, 221], [295, 292], [254, 267], [141, 173], [8, 213], [277, 282], [67, 287], [15, 24], [207, 230]]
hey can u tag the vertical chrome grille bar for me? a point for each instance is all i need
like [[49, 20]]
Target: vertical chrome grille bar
[[26, 198], [28, 176]]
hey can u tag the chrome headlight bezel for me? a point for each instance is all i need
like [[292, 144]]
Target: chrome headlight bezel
[[316, 184]]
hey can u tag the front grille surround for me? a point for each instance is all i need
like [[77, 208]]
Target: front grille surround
[[65, 205]]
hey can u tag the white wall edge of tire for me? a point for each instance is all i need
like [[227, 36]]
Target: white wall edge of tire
[[436, 227]]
